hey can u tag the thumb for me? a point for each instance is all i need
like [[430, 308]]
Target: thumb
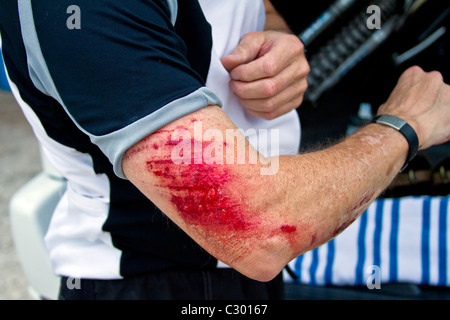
[[246, 51]]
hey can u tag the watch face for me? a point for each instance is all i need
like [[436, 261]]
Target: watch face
[[392, 121]]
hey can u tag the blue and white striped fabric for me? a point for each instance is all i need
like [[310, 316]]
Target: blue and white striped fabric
[[405, 239]]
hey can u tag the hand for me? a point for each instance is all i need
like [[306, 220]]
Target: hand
[[268, 73], [423, 100]]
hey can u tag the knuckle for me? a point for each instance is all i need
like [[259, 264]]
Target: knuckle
[[269, 88], [436, 76], [297, 44], [307, 68], [414, 71], [269, 105], [411, 75], [302, 67], [249, 37], [300, 44], [269, 66]]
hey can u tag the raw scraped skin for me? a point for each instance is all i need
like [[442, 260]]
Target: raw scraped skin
[[211, 200]]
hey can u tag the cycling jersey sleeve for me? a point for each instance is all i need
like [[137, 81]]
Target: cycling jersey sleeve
[[118, 68]]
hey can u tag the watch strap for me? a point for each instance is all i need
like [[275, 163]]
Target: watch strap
[[404, 128]]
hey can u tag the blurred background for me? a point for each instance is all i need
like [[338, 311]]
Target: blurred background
[[19, 162]]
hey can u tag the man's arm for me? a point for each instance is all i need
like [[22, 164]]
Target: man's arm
[[258, 223], [274, 21]]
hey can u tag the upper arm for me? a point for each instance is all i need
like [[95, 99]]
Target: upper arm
[[120, 77]]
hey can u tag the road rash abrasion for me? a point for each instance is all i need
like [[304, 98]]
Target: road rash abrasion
[[212, 200], [355, 212]]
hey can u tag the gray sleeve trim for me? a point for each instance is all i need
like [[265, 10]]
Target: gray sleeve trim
[[173, 6], [37, 67], [115, 144]]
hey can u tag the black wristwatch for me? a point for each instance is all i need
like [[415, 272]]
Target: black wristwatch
[[404, 128]]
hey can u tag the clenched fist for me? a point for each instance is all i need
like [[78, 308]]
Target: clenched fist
[[268, 73], [423, 100]]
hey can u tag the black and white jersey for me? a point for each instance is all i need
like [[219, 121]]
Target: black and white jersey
[[91, 88]]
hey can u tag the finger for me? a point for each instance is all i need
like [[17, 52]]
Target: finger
[[291, 95], [268, 87], [274, 57], [247, 50], [265, 66], [286, 108]]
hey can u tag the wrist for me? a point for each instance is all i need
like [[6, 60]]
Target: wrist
[[405, 129]]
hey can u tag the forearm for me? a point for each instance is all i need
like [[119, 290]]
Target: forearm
[[329, 189], [316, 196], [253, 222], [274, 21]]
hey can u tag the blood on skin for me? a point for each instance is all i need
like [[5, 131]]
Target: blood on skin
[[288, 229], [201, 194], [354, 212], [363, 201], [209, 198]]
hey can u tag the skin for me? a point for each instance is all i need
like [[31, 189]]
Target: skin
[[258, 223], [268, 70]]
